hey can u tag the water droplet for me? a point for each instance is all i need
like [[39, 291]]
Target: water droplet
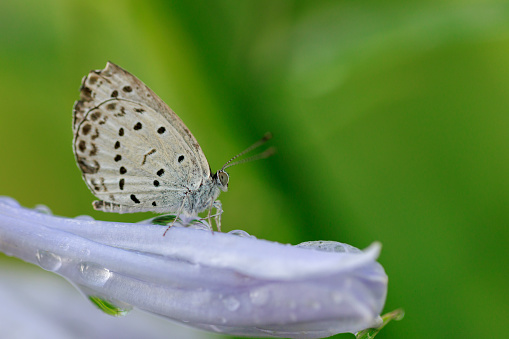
[[111, 306], [316, 305], [214, 328], [259, 296], [293, 317], [167, 220], [43, 209], [337, 297], [199, 225], [94, 274], [108, 305], [231, 303], [223, 321], [327, 246], [49, 261], [242, 234], [186, 220], [8, 201]]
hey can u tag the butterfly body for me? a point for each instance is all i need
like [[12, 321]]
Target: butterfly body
[[135, 153]]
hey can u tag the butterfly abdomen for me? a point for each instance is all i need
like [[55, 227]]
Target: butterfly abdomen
[[202, 198]]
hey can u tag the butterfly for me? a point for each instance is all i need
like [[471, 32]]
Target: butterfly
[[136, 154]]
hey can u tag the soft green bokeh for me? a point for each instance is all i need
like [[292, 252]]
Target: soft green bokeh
[[391, 121]]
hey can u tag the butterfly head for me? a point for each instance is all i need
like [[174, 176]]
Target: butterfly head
[[221, 179]]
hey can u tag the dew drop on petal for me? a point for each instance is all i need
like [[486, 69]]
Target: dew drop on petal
[[337, 297], [108, 305], [231, 303], [48, 260], [111, 306], [325, 246], [94, 274], [43, 209], [9, 202], [242, 234], [259, 296], [316, 305], [198, 224], [214, 328]]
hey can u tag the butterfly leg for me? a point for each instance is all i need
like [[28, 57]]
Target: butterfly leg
[[217, 217], [208, 215], [219, 211], [177, 214]]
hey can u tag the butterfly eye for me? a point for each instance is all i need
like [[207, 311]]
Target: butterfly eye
[[223, 177]]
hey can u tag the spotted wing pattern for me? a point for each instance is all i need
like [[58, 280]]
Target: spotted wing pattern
[[134, 152]]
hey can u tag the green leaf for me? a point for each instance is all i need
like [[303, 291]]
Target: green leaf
[[372, 332]]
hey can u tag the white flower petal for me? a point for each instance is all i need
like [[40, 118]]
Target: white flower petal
[[214, 281]]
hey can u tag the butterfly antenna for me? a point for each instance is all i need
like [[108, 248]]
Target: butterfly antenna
[[267, 153], [257, 144]]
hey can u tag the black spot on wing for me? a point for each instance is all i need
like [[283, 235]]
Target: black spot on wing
[[121, 113], [96, 135], [86, 129], [93, 152], [86, 94], [95, 115], [92, 80], [82, 145], [87, 166]]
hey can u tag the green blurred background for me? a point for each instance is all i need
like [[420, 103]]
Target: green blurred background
[[391, 122]]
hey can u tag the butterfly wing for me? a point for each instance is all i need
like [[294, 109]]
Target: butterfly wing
[[134, 152]]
